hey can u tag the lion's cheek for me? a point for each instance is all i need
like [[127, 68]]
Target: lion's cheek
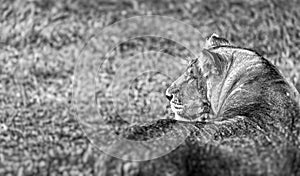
[[191, 110]]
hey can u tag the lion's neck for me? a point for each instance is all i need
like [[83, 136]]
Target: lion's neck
[[220, 87]]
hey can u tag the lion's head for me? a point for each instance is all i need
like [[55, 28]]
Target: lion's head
[[189, 95]]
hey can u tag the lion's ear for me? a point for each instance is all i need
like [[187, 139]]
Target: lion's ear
[[212, 63], [214, 40]]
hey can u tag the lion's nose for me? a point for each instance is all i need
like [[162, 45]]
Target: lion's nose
[[168, 95]]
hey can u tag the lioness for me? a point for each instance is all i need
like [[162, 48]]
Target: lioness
[[227, 83], [244, 114]]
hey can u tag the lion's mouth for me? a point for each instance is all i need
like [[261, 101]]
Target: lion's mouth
[[176, 107]]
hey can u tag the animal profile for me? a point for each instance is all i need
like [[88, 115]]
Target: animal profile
[[242, 116], [227, 82]]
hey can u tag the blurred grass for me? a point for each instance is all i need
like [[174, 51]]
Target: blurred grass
[[39, 43]]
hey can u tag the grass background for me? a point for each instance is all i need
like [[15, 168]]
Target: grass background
[[39, 42]]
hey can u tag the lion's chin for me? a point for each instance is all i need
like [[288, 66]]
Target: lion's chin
[[178, 117]]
